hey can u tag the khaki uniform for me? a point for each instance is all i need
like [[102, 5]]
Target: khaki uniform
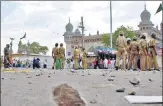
[[134, 47], [128, 54], [148, 61], [122, 46], [143, 53], [62, 56], [153, 54], [84, 58], [56, 54], [76, 58]]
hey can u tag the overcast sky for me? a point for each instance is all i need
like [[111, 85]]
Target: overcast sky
[[42, 20]]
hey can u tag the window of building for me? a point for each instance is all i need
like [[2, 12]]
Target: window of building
[[143, 28]]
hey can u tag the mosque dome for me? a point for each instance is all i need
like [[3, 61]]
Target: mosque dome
[[77, 32], [145, 15], [69, 27]]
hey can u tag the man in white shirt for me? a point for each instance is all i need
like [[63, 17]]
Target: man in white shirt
[[113, 63], [105, 63]]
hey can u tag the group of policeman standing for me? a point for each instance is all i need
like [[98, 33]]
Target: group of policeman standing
[[130, 50], [58, 55]]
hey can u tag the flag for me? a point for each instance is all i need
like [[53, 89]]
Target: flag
[[159, 9]]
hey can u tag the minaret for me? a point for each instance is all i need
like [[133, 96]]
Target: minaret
[[69, 20], [145, 6]]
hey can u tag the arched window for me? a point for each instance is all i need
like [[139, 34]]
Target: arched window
[[146, 27], [143, 28]]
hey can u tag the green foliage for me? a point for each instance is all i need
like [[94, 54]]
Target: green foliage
[[105, 40], [128, 33], [35, 48], [44, 49]]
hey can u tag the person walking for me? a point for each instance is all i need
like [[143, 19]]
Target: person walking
[[121, 52]]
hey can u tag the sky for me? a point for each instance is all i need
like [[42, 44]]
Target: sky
[[45, 21]]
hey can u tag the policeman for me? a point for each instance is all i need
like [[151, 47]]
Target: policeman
[[62, 55], [121, 52], [143, 52], [84, 58], [55, 55], [153, 53], [128, 51], [134, 48], [76, 57]]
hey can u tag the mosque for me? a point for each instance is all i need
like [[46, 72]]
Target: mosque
[[76, 39]]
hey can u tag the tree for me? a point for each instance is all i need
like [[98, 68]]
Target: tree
[[105, 40], [128, 33], [36, 48], [44, 49]]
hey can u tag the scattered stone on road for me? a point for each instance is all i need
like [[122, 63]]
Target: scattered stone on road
[[49, 76], [93, 101], [103, 74], [29, 82], [150, 79], [135, 81], [38, 75], [120, 90], [3, 78], [132, 93], [29, 77], [112, 76], [65, 95], [110, 79]]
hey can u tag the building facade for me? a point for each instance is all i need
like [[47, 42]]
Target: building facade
[[75, 38], [147, 27]]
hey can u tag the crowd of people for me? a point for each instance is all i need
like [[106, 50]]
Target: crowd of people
[[130, 51], [78, 61], [131, 54], [17, 63]]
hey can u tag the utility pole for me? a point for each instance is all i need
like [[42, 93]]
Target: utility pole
[[110, 24], [82, 28]]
